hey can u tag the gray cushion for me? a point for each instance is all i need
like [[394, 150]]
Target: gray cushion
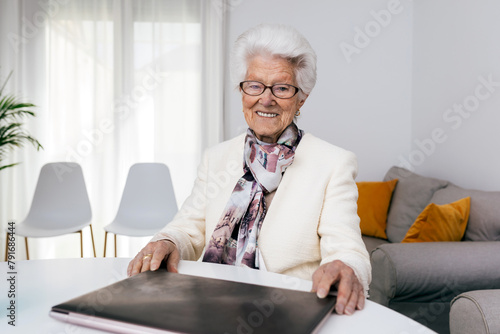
[[476, 312], [411, 195], [371, 242], [484, 218]]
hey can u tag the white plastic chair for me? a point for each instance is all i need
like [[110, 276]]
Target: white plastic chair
[[147, 204], [60, 205]]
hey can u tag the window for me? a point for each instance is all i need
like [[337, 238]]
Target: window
[[121, 83]]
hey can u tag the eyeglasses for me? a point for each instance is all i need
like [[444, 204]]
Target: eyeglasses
[[281, 91]]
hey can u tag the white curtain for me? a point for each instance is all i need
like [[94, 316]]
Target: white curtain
[[116, 83]]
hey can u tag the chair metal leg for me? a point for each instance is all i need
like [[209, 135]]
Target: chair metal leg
[[115, 245], [6, 245], [105, 240], [92, 236], [81, 243], [27, 250]]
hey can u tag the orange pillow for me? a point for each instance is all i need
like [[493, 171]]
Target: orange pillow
[[373, 204], [440, 222]]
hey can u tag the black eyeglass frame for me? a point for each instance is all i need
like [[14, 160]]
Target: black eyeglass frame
[[270, 88]]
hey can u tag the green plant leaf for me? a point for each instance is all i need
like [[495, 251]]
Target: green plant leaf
[[12, 132], [7, 166]]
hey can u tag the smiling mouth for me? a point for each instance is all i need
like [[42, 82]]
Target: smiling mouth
[[269, 115]]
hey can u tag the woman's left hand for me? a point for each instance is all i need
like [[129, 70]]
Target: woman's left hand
[[350, 292]]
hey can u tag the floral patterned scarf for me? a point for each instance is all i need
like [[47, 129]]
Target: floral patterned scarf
[[264, 166]]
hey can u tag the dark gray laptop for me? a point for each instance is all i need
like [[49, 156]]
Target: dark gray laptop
[[159, 302]]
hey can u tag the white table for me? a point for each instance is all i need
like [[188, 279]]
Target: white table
[[42, 284]]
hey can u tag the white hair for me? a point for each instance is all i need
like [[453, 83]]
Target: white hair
[[275, 40]]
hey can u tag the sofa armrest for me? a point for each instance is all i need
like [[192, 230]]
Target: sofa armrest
[[475, 312], [433, 271]]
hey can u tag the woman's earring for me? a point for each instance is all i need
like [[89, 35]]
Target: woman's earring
[[297, 114]]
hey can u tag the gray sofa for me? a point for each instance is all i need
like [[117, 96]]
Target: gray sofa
[[420, 280]]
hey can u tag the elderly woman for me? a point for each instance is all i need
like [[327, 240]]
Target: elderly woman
[[290, 207]]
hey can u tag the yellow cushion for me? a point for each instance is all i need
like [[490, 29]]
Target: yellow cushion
[[440, 222], [373, 204]]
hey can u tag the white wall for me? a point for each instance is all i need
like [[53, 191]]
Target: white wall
[[388, 101], [363, 105], [455, 42]]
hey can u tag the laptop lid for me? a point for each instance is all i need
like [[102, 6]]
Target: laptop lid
[[159, 301]]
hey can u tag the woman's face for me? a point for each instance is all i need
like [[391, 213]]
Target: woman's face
[[267, 115]]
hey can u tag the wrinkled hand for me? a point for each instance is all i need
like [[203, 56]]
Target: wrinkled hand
[[350, 293], [152, 255]]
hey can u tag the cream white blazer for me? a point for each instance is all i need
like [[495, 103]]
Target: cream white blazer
[[312, 218]]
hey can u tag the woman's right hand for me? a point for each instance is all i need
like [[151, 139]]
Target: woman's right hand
[[152, 255]]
